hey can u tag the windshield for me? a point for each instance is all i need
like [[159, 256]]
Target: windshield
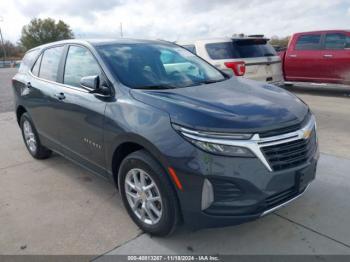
[[246, 48], [157, 65]]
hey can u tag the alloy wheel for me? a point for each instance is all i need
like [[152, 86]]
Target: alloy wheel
[[143, 196], [29, 136]]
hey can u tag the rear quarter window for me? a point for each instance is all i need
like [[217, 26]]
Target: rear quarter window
[[28, 61], [36, 67]]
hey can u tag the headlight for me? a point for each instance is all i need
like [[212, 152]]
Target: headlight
[[222, 149], [210, 142]]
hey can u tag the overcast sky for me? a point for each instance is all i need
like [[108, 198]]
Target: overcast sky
[[178, 19]]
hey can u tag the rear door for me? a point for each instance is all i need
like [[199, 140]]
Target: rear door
[[81, 114], [303, 57], [41, 94], [335, 65]]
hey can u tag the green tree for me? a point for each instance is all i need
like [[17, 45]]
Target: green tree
[[281, 42], [42, 31], [12, 51]]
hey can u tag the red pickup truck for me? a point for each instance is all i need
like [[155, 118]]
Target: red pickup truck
[[318, 58]]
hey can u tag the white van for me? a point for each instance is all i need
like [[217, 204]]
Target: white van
[[248, 56]]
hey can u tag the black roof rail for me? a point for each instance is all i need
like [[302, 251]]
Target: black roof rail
[[261, 36]]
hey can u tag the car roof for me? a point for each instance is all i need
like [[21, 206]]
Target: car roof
[[98, 42], [323, 31]]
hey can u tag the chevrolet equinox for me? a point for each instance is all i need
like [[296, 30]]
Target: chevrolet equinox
[[182, 141]]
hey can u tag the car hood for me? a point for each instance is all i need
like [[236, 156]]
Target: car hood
[[234, 105]]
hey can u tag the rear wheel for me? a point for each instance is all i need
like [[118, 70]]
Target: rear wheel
[[147, 194], [31, 139]]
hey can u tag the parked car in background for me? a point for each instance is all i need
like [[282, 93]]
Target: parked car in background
[[248, 56], [318, 58], [182, 141], [9, 63]]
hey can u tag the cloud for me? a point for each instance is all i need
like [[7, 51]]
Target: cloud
[[179, 19], [78, 8]]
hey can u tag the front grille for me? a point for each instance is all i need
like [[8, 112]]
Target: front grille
[[225, 191], [280, 198], [290, 154]]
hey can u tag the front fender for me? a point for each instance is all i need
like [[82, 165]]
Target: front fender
[[136, 139]]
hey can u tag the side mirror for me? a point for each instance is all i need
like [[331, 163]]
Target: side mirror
[[90, 82]]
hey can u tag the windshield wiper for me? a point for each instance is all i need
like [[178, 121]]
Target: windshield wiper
[[213, 81], [205, 82], [162, 86]]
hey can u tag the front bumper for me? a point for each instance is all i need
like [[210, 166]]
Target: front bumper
[[283, 204], [243, 188], [260, 191]]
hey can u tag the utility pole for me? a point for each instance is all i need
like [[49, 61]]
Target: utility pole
[[121, 29], [2, 43]]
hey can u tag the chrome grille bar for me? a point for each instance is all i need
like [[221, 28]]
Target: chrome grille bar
[[255, 143]]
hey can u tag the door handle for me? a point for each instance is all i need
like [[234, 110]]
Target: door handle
[[60, 96], [292, 55], [328, 56], [29, 85]]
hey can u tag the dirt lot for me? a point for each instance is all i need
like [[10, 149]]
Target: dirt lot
[[55, 207]]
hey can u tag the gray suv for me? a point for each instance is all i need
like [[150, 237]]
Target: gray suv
[[182, 141]]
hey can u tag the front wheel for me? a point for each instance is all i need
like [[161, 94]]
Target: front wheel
[[147, 194]]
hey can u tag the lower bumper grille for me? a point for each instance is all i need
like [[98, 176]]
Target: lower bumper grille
[[280, 198], [225, 191]]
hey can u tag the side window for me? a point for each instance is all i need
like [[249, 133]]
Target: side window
[[80, 62], [308, 42], [49, 63], [36, 67], [27, 61], [190, 48], [336, 41]]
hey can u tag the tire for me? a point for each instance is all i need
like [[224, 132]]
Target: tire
[[31, 139], [142, 163]]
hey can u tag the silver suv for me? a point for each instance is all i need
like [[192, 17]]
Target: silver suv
[[248, 56]]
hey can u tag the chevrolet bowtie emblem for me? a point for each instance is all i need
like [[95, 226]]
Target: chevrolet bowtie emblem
[[307, 134]]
